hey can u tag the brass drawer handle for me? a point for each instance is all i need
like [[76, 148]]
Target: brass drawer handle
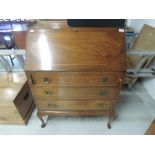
[[105, 80], [103, 93], [51, 105], [46, 80], [48, 93], [102, 105]]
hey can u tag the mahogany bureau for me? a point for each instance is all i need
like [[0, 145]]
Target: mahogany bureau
[[75, 71]]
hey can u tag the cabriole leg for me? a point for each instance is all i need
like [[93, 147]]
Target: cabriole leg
[[40, 117], [111, 118]]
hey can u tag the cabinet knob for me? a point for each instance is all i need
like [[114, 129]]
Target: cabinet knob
[[103, 93], [105, 80], [48, 93], [46, 80], [51, 105]]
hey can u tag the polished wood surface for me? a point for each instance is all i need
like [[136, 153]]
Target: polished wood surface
[[19, 38], [73, 70], [76, 92], [69, 49], [9, 114], [75, 104], [77, 78], [8, 94]]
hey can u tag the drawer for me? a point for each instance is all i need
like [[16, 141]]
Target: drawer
[[24, 100], [75, 104], [75, 92], [77, 78]]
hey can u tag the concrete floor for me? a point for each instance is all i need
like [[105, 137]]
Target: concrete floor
[[135, 113]]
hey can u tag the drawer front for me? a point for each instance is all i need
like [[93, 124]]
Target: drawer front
[[24, 100], [75, 92], [48, 105], [77, 78]]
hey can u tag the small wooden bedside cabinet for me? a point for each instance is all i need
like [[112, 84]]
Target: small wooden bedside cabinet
[[75, 70], [16, 101]]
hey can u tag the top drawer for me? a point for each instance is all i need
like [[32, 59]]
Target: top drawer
[[76, 78]]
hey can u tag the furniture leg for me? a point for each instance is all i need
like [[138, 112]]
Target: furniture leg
[[40, 117], [111, 118]]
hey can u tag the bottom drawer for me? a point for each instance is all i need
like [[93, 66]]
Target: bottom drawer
[[48, 105]]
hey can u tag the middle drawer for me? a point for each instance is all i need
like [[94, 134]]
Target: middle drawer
[[75, 92]]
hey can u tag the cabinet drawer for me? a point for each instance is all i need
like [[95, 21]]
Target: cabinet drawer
[[75, 104], [75, 92], [76, 78]]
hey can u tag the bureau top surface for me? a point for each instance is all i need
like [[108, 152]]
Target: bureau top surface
[[54, 46]]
